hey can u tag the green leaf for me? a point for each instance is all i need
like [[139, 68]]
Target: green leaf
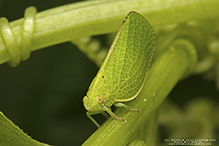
[[11, 135]]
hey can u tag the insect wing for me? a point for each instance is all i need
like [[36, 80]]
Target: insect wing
[[124, 70]]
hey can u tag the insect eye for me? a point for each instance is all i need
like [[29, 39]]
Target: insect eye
[[100, 99]]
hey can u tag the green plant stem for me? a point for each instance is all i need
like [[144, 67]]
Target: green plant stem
[[149, 129], [137, 142], [174, 64], [89, 18]]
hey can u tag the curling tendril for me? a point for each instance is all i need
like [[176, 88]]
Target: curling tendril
[[17, 51]]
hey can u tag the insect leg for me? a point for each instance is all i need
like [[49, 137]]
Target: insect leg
[[105, 114], [125, 106], [112, 114], [92, 119]]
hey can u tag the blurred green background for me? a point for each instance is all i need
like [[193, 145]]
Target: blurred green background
[[43, 95]]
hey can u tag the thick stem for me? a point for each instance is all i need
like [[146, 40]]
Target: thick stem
[[89, 18], [176, 62]]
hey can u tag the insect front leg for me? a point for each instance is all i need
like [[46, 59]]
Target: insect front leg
[[92, 119], [125, 106], [112, 114]]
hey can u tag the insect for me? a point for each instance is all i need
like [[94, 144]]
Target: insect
[[123, 72]]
